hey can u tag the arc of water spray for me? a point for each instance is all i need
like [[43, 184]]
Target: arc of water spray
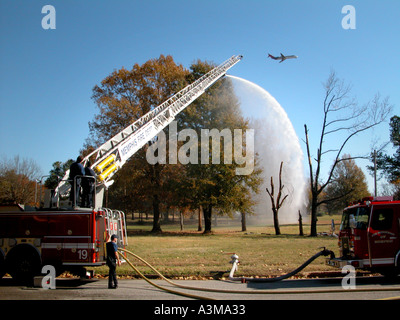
[[275, 141]]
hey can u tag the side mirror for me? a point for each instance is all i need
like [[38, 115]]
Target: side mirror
[[352, 221]]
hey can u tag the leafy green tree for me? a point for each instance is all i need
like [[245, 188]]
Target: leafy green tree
[[57, 173], [348, 184], [390, 165], [216, 185]]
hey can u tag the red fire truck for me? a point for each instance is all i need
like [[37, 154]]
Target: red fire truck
[[67, 236], [369, 236], [67, 240]]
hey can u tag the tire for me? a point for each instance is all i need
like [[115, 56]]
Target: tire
[[391, 273], [23, 264]]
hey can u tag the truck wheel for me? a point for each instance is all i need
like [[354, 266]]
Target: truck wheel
[[23, 264], [389, 273]]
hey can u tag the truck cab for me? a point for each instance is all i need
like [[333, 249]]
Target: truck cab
[[369, 236]]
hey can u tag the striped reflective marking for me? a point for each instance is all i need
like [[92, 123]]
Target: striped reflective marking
[[379, 261], [68, 246]]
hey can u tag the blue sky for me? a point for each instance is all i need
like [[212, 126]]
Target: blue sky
[[47, 76]]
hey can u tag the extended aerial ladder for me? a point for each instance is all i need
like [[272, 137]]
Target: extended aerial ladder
[[113, 154]]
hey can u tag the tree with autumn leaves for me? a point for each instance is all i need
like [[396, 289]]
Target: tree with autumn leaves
[[217, 187], [348, 184], [123, 97], [19, 179], [126, 95]]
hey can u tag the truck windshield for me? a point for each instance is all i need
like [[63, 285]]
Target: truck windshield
[[360, 216]]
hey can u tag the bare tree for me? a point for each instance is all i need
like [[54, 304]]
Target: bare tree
[[18, 180], [279, 202], [341, 113]]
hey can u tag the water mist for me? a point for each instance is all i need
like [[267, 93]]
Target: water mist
[[275, 141]]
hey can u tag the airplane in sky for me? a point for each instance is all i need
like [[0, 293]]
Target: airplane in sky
[[282, 57]]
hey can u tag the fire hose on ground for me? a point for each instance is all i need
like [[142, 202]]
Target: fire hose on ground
[[235, 262]]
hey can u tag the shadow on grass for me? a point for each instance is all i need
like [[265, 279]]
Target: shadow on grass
[[243, 234]]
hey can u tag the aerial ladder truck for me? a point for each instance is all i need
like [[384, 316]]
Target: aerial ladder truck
[[69, 237]]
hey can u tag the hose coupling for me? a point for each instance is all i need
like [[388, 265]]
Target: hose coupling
[[325, 252]]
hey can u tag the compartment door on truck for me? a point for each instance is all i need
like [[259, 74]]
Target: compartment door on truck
[[383, 235]]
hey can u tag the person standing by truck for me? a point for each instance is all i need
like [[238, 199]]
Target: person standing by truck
[[112, 261], [88, 182], [76, 171]]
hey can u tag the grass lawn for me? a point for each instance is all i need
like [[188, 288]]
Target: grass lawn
[[189, 253]]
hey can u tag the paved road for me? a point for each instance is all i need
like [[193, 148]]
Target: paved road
[[75, 289]]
